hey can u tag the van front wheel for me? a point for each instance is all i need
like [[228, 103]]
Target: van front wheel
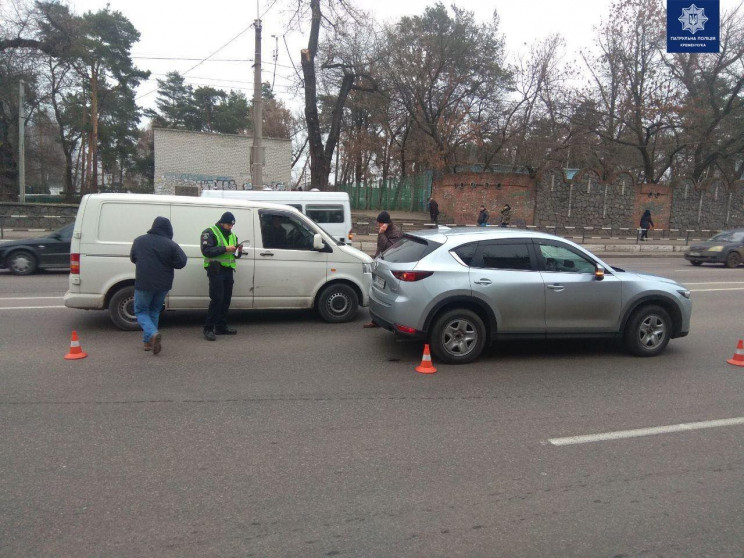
[[337, 303], [121, 309]]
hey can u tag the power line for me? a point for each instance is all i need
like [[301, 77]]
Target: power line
[[202, 61]]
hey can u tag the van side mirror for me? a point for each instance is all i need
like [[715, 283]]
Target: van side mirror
[[317, 242], [599, 272]]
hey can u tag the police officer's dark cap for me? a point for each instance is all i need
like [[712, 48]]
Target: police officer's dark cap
[[227, 218]]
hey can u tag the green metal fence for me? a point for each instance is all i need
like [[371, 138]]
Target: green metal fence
[[403, 194]]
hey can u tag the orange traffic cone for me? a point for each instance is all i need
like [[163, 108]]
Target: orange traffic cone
[[426, 366], [738, 358], [75, 351]]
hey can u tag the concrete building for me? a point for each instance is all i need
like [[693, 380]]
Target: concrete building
[[188, 162]]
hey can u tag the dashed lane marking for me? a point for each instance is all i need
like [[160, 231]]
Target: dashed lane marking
[[620, 434]]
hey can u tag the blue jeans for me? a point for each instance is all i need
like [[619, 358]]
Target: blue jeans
[[147, 306]]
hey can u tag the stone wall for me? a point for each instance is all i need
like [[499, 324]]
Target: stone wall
[[36, 215], [188, 162], [550, 199], [708, 205]]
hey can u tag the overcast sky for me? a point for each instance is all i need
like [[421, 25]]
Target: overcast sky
[[175, 30]]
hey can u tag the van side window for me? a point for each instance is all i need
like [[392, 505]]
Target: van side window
[[325, 213], [283, 231]]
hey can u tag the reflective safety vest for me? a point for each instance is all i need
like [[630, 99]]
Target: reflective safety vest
[[227, 259]]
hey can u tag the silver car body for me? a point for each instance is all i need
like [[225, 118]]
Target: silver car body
[[558, 294]]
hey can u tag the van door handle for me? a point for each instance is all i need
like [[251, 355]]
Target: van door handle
[[267, 253], [556, 287], [482, 282]]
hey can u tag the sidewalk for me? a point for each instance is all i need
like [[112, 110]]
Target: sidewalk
[[603, 247], [629, 246]]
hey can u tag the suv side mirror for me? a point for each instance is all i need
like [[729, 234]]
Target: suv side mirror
[[599, 272]]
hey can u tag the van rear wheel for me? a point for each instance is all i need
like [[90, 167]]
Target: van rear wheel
[[337, 303], [121, 309]]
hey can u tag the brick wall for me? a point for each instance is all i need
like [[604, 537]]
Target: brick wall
[[188, 162], [460, 196]]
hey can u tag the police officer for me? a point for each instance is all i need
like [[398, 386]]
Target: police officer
[[220, 247]]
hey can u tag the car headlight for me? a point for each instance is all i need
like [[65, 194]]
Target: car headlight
[[366, 268], [715, 249], [684, 292]]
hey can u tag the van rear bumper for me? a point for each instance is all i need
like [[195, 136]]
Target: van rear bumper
[[85, 301]]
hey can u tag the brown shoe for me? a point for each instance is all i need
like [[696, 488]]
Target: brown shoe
[[155, 343], [370, 325], [148, 346]]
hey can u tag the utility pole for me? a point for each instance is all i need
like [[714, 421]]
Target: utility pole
[[257, 154], [21, 144]]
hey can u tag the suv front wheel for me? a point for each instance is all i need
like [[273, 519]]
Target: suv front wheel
[[458, 337], [648, 330]]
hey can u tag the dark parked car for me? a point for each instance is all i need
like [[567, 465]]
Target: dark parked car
[[23, 257], [727, 248]]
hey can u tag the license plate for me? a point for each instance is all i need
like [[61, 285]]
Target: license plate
[[379, 282], [693, 253]]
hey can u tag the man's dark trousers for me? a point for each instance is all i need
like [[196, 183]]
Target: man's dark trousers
[[220, 294]]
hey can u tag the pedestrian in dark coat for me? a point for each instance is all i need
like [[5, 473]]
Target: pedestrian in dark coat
[[155, 256], [433, 210], [483, 216], [388, 233], [646, 224]]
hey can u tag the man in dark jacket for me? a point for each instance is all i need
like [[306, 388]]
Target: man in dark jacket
[[483, 216], [433, 210], [220, 247], [155, 256], [387, 233]]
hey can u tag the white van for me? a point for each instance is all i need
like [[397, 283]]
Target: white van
[[307, 270], [331, 210]]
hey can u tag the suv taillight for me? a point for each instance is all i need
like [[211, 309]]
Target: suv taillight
[[350, 236], [412, 275], [75, 264]]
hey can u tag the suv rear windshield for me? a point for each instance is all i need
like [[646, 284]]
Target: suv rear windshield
[[410, 249]]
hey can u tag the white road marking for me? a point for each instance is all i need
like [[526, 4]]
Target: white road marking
[[32, 298], [717, 283], [29, 307], [620, 434], [709, 290]]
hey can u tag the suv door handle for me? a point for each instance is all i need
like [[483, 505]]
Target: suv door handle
[[482, 282], [556, 287], [267, 253]]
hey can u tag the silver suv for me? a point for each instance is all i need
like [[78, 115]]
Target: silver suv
[[460, 288]]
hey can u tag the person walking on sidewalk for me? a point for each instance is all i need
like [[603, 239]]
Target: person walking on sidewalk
[[483, 216], [155, 257], [646, 224], [505, 215], [434, 210], [220, 247]]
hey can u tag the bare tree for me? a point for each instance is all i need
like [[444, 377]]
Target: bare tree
[[713, 107], [634, 94]]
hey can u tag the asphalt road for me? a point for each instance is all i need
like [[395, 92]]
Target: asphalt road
[[300, 438]]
